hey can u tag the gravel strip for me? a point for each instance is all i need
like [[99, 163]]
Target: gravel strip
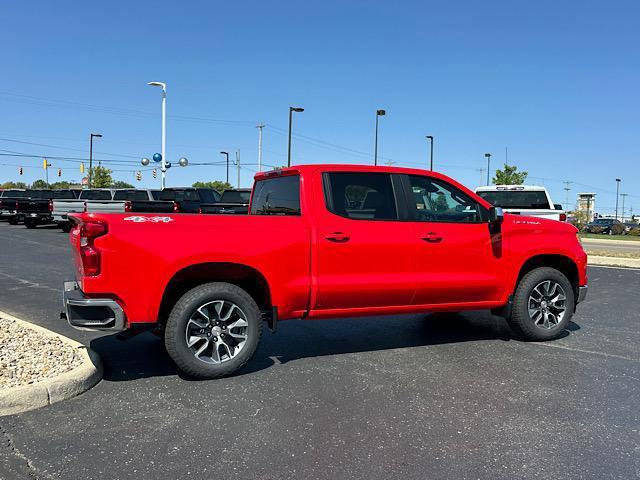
[[28, 356]]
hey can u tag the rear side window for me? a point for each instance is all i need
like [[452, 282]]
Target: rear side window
[[277, 196], [234, 196], [95, 195], [516, 199], [208, 195], [360, 196], [62, 194]]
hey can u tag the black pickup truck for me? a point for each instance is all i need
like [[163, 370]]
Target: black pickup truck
[[232, 201], [187, 200], [37, 208], [8, 199]]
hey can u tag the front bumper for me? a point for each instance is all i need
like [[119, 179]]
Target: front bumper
[[582, 293], [85, 313]]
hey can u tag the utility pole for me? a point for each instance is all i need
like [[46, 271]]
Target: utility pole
[[617, 194], [260, 126], [238, 164], [623, 195], [488, 155], [567, 188]]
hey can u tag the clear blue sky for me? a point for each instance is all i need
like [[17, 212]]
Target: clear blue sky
[[556, 82]]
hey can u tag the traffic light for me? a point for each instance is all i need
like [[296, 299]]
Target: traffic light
[[154, 174], [82, 168], [44, 163], [20, 171], [59, 172], [138, 175]]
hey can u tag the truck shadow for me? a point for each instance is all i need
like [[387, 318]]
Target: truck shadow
[[144, 356]]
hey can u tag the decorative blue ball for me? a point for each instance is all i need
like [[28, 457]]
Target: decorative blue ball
[[157, 157]]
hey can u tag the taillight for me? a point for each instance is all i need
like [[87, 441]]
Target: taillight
[[199, 209], [89, 254], [563, 217], [127, 206], [50, 206], [17, 205], [176, 207]]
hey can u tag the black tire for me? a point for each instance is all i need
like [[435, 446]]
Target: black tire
[[13, 221], [29, 223], [175, 338], [522, 323], [65, 227]]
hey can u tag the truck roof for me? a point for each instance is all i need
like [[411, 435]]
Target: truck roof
[[525, 188]]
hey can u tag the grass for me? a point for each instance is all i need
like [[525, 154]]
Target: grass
[[600, 236], [610, 253]]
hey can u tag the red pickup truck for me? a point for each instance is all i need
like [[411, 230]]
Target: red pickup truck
[[320, 241]]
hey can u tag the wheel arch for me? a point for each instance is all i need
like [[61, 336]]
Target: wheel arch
[[562, 263], [248, 278]]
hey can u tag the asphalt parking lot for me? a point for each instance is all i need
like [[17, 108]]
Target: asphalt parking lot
[[412, 397]]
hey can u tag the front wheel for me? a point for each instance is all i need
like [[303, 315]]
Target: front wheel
[[543, 304], [213, 330], [30, 223]]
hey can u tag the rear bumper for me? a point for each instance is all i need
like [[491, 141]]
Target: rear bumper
[[582, 293], [84, 313]]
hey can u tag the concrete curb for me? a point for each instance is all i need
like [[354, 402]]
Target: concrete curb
[[611, 241], [51, 390], [614, 261]]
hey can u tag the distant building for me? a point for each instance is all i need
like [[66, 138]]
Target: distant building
[[587, 205]]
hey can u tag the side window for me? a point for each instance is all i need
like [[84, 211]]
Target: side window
[[277, 196], [437, 201], [360, 196]]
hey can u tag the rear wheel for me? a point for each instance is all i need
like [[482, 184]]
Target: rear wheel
[[213, 330], [13, 221], [30, 223], [543, 304]]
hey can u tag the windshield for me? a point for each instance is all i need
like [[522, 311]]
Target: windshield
[[517, 199]]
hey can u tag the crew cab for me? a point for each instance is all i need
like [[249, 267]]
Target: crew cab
[[530, 200], [232, 201], [320, 241], [37, 209]]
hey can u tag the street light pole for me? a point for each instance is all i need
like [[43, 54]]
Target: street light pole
[[430, 138], [617, 195], [291, 110], [227, 154], [379, 113], [91, 135], [260, 126], [488, 155], [163, 167]]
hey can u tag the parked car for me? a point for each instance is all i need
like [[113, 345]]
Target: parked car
[[607, 226], [188, 200], [232, 201], [334, 241], [631, 225], [529, 200], [8, 199], [38, 207], [61, 208]]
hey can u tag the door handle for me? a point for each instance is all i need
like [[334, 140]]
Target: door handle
[[431, 237], [337, 237]]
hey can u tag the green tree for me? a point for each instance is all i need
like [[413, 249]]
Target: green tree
[[101, 177], [509, 176], [7, 185], [39, 184], [121, 184], [62, 185], [215, 184]]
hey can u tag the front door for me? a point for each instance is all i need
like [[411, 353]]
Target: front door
[[458, 256]]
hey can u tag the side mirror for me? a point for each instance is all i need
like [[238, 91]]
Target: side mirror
[[496, 215]]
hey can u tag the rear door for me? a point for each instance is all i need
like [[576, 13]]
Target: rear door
[[459, 257], [365, 249]]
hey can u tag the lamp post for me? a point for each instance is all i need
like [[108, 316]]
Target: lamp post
[[91, 135], [430, 138], [291, 110], [227, 154], [379, 113], [163, 166], [488, 155], [623, 195], [617, 194]]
